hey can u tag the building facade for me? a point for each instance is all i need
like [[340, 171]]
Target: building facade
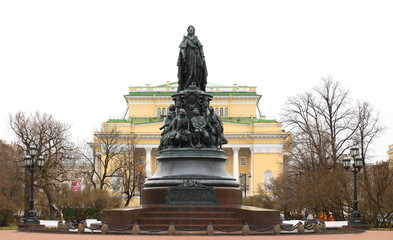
[[256, 146], [390, 153]]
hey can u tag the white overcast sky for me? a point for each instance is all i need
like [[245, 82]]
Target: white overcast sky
[[76, 59]]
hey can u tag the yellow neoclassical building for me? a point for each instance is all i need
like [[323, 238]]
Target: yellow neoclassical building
[[255, 149], [390, 153]]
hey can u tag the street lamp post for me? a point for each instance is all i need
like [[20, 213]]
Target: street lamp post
[[243, 177], [30, 163], [357, 164]]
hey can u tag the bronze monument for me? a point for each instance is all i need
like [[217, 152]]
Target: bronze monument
[[192, 175]]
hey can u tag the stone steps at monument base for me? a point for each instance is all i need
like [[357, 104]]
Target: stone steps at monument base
[[193, 221], [195, 216], [191, 227], [165, 208], [191, 214]]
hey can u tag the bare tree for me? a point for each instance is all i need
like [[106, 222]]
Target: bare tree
[[52, 140], [322, 123], [88, 153], [11, 176], [309, 136], [132, 170], [377, 197], [374, 184], [369, 128], [337, 115], [105, 163], [116, 162]]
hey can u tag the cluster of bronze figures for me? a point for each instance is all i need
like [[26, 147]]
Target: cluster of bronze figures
[[191, 122]]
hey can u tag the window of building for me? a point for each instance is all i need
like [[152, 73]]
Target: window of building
[[216, 110], [116, 181], [221, 112], [142, 161], [268, 178], [163, 111], [226, 112], [158, 112], [243, 161]]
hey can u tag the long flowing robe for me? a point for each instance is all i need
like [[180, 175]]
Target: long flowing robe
[[191, 64]]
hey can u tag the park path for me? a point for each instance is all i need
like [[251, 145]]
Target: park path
[[368, 235]]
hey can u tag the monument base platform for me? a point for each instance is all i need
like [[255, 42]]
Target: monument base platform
[[158, 216], [31, 227], [356, 227]]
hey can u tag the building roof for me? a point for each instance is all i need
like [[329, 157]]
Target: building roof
[[214, 89], [212, 93], [239, 120], [175, 84]]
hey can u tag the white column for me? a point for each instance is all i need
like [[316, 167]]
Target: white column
[[252, 171], [235, 163], [148, 161]]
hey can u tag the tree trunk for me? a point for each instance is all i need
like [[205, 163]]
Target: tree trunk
[[49, 196]]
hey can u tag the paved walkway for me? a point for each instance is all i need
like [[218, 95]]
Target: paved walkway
[[15, 235]]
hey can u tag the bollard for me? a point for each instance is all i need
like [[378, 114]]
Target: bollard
[[135, 229], [277, 229], [300, 228], [60, 225], [246, 229], [316, 228], [171, 229], [209, 229], [104, 228], [65, 227], [81, 228], [323, 227]]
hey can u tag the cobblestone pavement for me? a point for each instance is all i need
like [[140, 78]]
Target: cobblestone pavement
[[15, 235]]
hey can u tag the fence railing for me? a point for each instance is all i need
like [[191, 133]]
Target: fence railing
[[171, 228]]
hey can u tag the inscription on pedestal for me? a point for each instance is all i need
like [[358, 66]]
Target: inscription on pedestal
[[191, 193]]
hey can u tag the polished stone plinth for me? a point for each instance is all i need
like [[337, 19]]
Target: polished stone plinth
[[196, 166], [205, 166]]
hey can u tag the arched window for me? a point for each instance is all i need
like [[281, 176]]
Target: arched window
[[221, 112], [163, 111], [226, 112], [216, 110], [158, 112], [268, 180]]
